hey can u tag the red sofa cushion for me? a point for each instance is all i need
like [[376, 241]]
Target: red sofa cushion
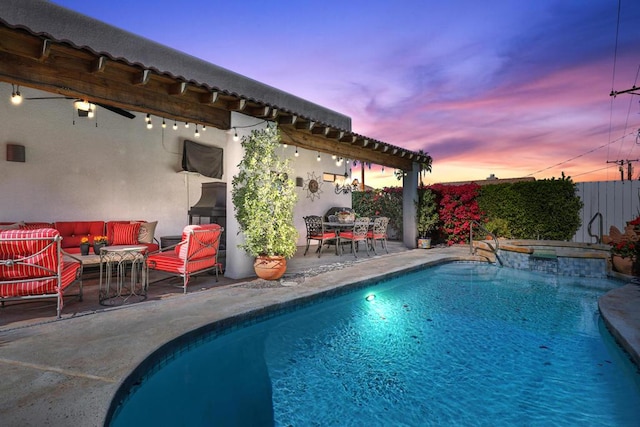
[[73, 231]]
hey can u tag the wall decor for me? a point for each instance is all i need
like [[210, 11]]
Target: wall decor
[[313, 186]]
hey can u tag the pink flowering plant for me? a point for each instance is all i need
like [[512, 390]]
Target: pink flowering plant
[[625, 248]]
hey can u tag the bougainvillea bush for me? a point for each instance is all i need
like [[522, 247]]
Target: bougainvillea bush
[[457, 207]]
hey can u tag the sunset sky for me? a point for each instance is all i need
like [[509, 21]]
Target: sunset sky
[[505, 87]]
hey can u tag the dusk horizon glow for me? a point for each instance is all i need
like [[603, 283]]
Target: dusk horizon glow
[[513, 89]]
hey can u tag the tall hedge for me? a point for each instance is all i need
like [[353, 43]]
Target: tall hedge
[[544, 210]]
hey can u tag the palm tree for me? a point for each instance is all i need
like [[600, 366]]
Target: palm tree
[[424, 167]]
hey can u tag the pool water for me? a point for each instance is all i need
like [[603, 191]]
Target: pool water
[[457, 344]]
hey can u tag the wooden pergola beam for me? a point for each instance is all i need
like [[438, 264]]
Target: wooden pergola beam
[[50, 66]]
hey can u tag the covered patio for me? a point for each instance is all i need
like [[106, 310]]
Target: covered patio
[[53, 57]]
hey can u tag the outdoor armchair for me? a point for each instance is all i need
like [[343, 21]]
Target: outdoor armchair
[[33, 265], [197, 252]]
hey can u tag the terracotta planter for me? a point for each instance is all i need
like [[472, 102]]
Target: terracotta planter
[[622, 265], [270, 268]]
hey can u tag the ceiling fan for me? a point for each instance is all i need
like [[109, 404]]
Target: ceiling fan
[[86, 108]]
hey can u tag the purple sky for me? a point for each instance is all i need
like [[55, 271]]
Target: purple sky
[[504, 87]]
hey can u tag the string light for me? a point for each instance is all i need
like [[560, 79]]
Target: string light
[[148, 118], [296, 153], [164, 124], [285, 145], [318, 158], [333, 156], [16, 96], [204, 128], [235, 134], [175, 125], [186, 125], [197, 134]]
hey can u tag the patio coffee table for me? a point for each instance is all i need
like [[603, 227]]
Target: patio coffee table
[[125, 261]]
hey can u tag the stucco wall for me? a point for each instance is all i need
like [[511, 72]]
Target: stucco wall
[[117, 170]]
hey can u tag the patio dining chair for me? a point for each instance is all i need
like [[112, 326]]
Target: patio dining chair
[[316, 231], [355, 235], [378, 232]]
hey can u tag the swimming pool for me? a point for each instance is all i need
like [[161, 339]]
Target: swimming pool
[[457, 344]]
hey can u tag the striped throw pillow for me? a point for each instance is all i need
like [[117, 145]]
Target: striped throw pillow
[[125, 234]]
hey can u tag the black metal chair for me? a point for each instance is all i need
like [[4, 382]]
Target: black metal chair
[[316, 231]]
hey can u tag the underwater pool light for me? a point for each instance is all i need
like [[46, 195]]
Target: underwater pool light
[[370, 297]]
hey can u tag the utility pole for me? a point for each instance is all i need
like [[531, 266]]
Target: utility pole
[[621, 168]]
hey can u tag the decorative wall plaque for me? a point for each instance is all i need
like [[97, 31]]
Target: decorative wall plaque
[[313, 186]]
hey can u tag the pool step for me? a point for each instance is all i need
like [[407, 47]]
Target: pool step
[[544, 253]]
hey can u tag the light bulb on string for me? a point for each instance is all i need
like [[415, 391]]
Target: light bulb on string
[[197, 134], [16, 96], [235, 134], [186, 125], [318, 158], [296, 153], [204, 128], [164, 124], [147, 119], [175, 125]]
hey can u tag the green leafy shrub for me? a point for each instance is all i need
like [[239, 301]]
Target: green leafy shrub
[[264, 197], [380, 202], [543, 210], [427, 217]]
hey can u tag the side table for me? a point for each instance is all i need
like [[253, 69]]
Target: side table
[[123, 259]]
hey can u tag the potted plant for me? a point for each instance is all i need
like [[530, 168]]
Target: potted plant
[[263, 198], [84, 246], [623, 255], [99, 242], [426, 217]]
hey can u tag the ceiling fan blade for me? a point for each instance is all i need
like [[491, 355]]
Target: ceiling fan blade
[[117, 110], [50, 97]]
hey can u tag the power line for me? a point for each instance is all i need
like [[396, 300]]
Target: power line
[[592, 171], [581, 155]]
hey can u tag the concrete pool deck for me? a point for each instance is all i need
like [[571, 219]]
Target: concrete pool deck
[[67, 372]]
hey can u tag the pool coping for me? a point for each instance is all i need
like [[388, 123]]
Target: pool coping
[[619, 310]]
